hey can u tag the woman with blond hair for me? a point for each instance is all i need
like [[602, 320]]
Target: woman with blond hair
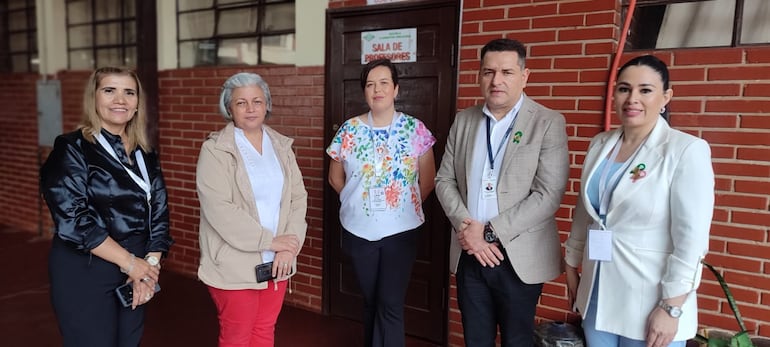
[[106, 194]]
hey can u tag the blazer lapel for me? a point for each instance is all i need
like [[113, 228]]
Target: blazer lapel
[[226, 143], [522, 126], [591, 164], [647, 161]]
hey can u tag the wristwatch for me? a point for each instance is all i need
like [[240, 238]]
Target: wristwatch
[[673, 311], [152, 260], [489, 234]]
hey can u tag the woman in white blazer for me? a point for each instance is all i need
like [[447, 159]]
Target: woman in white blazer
[[641, 224]]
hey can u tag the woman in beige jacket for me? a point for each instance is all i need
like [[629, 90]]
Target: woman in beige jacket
[[253, 205]]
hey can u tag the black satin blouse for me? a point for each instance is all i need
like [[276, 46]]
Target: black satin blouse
[[91, 196]]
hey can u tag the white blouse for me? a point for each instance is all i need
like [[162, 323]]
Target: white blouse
[[266, 178]]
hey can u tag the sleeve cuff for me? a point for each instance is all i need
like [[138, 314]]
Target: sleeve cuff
[[573, 257]]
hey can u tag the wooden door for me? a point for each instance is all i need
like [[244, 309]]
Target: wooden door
[[427, 90]]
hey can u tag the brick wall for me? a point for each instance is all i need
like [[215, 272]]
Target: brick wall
[[570, 47], [18, 151], [346, 3], [188, 113], [720, 94], [73, 83]]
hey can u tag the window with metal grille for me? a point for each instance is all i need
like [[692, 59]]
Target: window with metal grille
[[660, 24], [235, 32], [101, 33], [18, 36]]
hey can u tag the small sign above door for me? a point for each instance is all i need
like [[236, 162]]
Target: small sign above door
[[398, 45]]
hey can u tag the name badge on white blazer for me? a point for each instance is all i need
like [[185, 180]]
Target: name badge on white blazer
[[600, 244]]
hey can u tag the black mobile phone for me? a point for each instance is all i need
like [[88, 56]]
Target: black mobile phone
[[264, 272], [126, 293]]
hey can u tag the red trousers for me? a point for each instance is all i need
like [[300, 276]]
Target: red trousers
[[247, 317]]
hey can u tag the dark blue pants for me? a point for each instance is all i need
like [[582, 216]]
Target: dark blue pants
[[383, 269], [492, 297], [84, 300]]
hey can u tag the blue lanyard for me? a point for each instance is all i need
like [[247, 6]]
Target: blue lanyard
[[607, 185], [499, 146]]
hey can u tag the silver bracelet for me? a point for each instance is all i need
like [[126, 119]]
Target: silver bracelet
[[130, 266]]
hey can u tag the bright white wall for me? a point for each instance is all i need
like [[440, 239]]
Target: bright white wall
[[51, 36], [167, 52], [310, 19]]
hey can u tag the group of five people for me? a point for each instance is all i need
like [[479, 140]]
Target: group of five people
[[639, 230]]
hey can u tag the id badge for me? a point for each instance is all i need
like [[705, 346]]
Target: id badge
[[378, 167], [489, 187], [377, 199], [600, 245]]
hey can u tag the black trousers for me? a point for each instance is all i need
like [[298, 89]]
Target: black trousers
[[383, 269], [492, 297], [84, 300]]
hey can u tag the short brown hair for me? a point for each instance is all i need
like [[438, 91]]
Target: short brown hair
[[375, 63]]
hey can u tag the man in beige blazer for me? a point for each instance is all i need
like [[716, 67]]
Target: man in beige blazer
[[500, 183]]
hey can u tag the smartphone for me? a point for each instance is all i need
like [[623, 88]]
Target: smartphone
[[264, 272], [126, 293]]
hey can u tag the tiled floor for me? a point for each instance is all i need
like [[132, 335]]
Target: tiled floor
[[181, 315]]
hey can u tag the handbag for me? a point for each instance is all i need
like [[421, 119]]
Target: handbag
[[742, 338]]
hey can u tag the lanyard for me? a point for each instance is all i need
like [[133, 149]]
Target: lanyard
[[502, 142], [377, 157], [608, 185], [143, 182]]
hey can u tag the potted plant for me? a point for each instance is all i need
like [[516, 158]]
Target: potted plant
[[742, 338]]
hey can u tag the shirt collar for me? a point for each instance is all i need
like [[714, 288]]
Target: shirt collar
[[117, 146], [111, 138], [508, 116]]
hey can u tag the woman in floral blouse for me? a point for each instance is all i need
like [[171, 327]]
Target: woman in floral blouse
[[383, 168]]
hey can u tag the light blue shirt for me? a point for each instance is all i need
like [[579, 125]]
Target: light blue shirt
[[593, 182]]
